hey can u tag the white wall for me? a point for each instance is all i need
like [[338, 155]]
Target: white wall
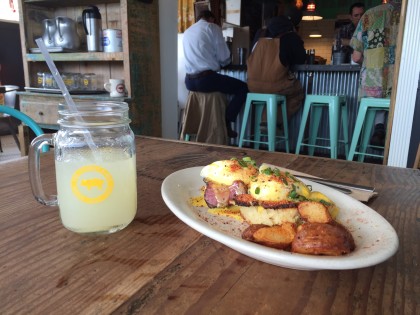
[[182, 90], [407, 88], [168, 30]]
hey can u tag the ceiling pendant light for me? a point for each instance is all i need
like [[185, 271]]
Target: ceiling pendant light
[[315, 32], [311, 14]]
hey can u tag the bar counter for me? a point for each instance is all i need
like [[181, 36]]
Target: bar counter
[[316, 67], [317, 79]]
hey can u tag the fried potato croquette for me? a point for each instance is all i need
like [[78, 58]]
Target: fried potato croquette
[[314, 212], [277, 236], [323, 239]]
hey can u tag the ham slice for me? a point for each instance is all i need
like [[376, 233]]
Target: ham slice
[[221, 196]]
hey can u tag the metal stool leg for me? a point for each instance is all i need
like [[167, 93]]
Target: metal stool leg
[[334, 111], [304, 119], [345, 124], [285, 123], [259, 108], [244, 121], [357, 131], [314, 126], [271, 122]]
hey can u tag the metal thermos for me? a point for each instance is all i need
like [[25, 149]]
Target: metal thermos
[[311, 56], [229, 41], [92, 24], [241, 56]]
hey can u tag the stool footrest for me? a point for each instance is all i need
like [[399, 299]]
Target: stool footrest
[[278, 139], [369, 154]]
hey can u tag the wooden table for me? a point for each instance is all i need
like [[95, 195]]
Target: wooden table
[[159, 265]]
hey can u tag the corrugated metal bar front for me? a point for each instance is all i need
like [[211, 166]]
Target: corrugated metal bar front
[[329, 81]]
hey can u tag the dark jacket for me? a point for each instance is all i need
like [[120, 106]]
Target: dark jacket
[[292, 51]]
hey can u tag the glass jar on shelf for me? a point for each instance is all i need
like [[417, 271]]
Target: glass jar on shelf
[[89, 82], [49, 81], [40, 79]]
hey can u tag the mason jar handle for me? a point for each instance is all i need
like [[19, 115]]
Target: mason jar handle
[[34, 169]]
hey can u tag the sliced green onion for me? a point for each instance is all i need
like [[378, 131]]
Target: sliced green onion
[[325, 203], [293, 194], [242, 163], [267, 171]]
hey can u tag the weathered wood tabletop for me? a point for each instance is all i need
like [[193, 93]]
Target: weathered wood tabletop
[[159, 265]]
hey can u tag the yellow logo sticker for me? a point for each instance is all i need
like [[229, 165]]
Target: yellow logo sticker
[[92, 184]]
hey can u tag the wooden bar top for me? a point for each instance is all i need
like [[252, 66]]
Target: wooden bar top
[[159, 265]]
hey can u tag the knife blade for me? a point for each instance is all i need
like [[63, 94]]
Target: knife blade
[[342, 186], [323, 182]]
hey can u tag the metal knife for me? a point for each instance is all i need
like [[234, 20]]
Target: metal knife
[[343, 187]]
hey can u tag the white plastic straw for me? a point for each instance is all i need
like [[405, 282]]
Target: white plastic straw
[[72, 106]]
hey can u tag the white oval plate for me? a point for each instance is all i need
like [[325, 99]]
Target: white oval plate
[[376, 240]]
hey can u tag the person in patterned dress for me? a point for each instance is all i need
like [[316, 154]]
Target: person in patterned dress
[[374, 46]]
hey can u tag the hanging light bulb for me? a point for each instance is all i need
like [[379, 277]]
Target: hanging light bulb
[[311, 14], [315, 32], [299, 4], [311, 6]]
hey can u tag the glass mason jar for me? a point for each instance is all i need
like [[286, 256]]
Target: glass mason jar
[[40, 79], [89, 82], [49, 82], [77, 81], [95, 163], [68, 79]]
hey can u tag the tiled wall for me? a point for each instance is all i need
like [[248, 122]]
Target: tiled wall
[[321, 45]]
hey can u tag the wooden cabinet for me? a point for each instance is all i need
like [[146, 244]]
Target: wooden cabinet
[[138, 64]]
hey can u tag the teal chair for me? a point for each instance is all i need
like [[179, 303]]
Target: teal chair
[[337, 109], [9, 93], [271, 102], [24, 118], [363, 128]]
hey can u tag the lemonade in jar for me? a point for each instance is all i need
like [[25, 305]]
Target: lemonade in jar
[[95, 163]]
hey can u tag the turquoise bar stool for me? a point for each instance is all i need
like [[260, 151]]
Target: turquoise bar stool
[[337, 106], [363, 128], [271, 102]]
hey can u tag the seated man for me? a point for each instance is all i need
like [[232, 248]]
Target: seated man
[[276, 50], [205, 53]]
